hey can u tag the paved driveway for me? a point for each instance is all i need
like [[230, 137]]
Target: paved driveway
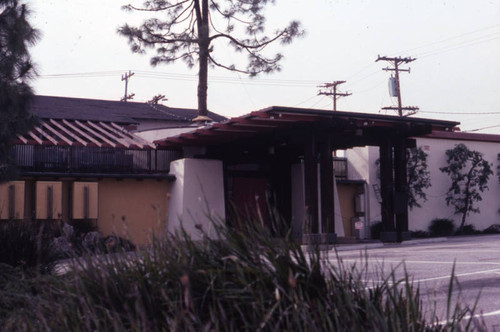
[[477, 268]]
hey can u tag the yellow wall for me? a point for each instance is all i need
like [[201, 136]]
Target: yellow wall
[[42, 207], [18, 199], [347, 192], [132, 208]]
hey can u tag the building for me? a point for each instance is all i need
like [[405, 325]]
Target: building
[[362, 165], [86, 161]]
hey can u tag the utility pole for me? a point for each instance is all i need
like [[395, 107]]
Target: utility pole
[[333, 92], [126, 77], [396, 61]]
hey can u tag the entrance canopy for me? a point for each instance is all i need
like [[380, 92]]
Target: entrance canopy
[[266, 144]]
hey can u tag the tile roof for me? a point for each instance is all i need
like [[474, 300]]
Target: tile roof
[[110, 111]]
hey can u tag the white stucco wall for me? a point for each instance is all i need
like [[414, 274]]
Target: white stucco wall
[[435, 206], [196, 196], [361, 166], [361, 163]]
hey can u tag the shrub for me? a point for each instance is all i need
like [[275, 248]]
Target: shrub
[[243, 281], [26, 243], [441, 227], [467, 230], [493, 229]]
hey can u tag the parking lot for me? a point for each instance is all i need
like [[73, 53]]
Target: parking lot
[[430, 263]]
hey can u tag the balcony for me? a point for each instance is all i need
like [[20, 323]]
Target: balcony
[[74, 159]]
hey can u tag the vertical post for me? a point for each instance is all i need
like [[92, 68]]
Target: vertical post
[[401, 188], [388, 233], [86, 202], [327, 192], [398, 89], [311, 183], [50, 202], [12, 201]]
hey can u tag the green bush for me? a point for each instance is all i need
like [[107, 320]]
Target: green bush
[[243, 281], [441, 227]]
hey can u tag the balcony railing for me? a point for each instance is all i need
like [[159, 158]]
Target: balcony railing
[[92, 159], [340, 167]]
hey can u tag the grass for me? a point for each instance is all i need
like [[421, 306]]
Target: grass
[[244, 280]]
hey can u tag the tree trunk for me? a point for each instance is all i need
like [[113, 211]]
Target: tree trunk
[[203, 44]]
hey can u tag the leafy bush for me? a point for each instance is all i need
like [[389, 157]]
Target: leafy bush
[[242, 281], [468, 230], [493, 229], [441, 227]]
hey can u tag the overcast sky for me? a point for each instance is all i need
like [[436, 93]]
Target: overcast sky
[[456, 42]]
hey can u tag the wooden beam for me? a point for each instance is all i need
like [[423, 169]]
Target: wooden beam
[[36, 138], [47, 136], [129, 141], [83, 126], [132, 136], [69, 133], [22, 139], [110, 135], [90, 138], [57, 133]]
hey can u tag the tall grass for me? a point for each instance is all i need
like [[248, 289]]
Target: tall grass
[[244, 280]]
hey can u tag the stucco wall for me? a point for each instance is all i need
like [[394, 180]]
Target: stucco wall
[[361, 163], [435, 206], [132, 208], [197, 196]]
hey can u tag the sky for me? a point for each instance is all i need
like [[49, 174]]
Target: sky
[[456, 43]]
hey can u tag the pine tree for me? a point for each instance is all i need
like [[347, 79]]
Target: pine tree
[[16, 70], [188, 31]]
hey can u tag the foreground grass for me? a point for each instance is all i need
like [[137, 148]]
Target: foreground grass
[[244, 281]]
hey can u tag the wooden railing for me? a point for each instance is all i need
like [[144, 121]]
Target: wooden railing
[[92, 159]]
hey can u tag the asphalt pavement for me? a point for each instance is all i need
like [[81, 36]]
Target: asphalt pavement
[[430, 262]]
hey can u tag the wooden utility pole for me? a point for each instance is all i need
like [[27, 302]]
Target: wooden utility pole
[[126, 77], [396, 61], [333, 92]]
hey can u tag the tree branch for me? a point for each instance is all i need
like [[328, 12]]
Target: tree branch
[[131, 7]]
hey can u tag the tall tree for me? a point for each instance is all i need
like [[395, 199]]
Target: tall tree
[[188, 31], [16, 70], [469, 174]]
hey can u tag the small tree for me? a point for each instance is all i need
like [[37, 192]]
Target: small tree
[[188, 31], [16, 69], [469, 174]]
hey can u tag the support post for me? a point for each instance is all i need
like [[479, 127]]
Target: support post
[[388, 233], [311, 184], [327, 192], [401, 191]]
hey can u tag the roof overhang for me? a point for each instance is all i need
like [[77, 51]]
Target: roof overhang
[[351, 129]]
